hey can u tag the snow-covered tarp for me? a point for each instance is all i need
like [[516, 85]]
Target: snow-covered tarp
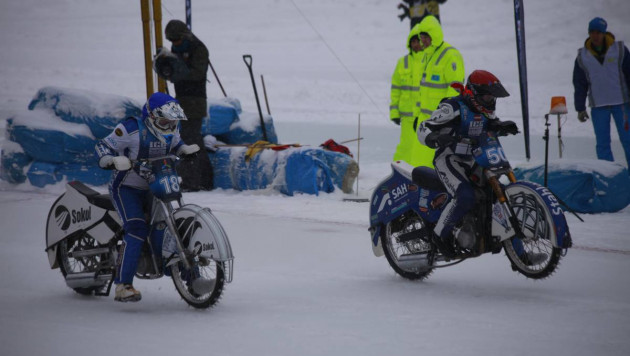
[[230, 124], [586, 186], [54, 141], [290, 171]]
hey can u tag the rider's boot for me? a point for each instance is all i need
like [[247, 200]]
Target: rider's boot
[[127, 293], [445, 245]]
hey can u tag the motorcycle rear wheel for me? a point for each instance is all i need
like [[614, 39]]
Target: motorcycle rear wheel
[[71, 265], [210, 272], [536, 226], [403, 255]]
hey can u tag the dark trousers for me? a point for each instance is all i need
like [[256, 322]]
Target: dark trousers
[[196, 173]]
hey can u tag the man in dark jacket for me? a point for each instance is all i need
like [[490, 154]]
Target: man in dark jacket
[[416, 10], [190, 90], [602, 72]]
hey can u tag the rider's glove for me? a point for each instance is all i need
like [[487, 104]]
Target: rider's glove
[[396, 121], [503, 128], [583, 116], [121, 163], [188, 150]]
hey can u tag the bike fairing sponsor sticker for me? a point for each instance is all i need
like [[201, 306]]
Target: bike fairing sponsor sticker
[[64, 217], [499, 216], [556, 211]]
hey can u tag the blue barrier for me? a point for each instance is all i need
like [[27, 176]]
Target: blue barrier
[[586, 186]]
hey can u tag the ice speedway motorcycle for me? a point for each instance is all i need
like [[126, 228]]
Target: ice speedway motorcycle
[[84, 232], [519, 217]]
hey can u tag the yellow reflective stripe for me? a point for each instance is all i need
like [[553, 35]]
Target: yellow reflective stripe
[[405, 87], [404, 113], [407, 62], [426, 111], [435, 85], [393, 107], [442, 54]]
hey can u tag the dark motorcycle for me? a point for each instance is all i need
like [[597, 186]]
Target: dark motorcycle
[[523, 218]]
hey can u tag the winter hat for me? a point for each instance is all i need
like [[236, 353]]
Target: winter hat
[[597, 24], [175, 30]]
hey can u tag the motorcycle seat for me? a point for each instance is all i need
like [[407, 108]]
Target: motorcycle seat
[[427, 177], [103, 201]]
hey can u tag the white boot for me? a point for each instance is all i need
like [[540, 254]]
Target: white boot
[[127, 293]]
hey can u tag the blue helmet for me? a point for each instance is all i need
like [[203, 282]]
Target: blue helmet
[[162, 114]]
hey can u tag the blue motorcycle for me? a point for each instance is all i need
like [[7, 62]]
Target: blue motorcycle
[[523, 218]]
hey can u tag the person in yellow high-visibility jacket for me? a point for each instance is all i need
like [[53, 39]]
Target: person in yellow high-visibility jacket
[[443, 65], [404, 106]]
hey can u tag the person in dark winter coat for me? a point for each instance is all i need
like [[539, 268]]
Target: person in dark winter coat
[[189, 75], [416, 10], [602, 72]]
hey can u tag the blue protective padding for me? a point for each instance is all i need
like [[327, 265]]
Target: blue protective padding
[[305, 173], [219, 121], [247, 129], [12, 165], [588, 187], [100, 112], [289, 171], [92, 175], [42, 173], [53, 146], [221, 114]]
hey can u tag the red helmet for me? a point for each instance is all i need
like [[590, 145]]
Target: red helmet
[[486, 88]]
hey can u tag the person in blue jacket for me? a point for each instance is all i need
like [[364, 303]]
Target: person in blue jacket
[[602, 72], [155, 134]]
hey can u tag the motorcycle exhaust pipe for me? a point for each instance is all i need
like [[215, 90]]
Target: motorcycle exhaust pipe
[[416, 262], [86, 280], [88, 253]]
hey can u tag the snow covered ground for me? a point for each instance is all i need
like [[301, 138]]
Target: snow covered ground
[[306, 281]]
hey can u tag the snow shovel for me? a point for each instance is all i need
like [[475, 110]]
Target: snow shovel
[[247, 57]]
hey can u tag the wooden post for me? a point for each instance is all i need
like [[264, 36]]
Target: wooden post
[[146, 31], [157, 24]]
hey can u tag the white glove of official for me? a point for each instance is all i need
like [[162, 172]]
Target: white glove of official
[[186, 150], [121, 163]]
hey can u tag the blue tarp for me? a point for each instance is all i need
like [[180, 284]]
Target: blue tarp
[[586, 186], [52, 146], [55, 141], [294, 170], [100, 112]]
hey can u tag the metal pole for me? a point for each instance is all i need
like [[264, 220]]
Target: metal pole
[[559, 137], [265, 93], [216, 77], [546, 138], [188, 15], [359, 153]]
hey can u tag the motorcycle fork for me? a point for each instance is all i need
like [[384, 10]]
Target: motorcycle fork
[[167, 212], [493, 181]]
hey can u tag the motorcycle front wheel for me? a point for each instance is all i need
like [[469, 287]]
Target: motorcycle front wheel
[[411, 258], [533, 254], [201, 286]]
